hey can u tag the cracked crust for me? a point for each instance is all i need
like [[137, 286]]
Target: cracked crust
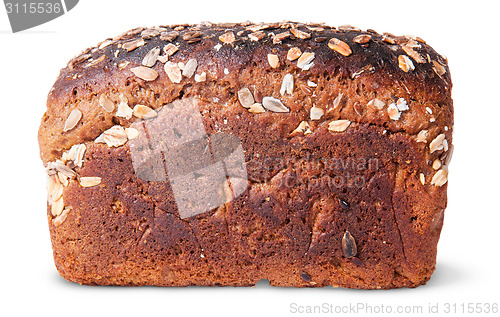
[[288, 224]]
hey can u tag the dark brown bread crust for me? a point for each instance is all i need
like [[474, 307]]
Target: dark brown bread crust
[[288, 225]]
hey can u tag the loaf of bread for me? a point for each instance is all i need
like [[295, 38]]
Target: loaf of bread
[[224, 154]]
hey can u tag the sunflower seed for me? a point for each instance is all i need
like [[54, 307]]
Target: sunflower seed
[[163, 59], [349, 245], [60, 167], [440, 178], [192, 36], [436, 164], [72, 120], [393, 112], [338, 125], [401, 104], [358, 108], [367, 68], [245, 97], [305, 61], [405, 63], [280, 37], [57, 207], [316, 113], [258, 27], [287, 85], [377, 103], [200, 77], [347, 27], [362, 39], [256, 36], [412, 41], [151, 57], [130, 32], [273, 60], [422, 136], [58, 220], [63, 179], [54, 188], [344, 204], [293, 53], [438, 143], [123, 64], [170, 49], [300, 34], [95, 61], [132, 45], [89, 181], [305, 90], [76, 153], [413, 54], [445, 145], [422, 178], [131, 133], [438, 68], [315, 28], [306, 277], [144, 112], [274, 105], [339, 46], [113, 137], [256, 108], [320, 39], [169, 36], [303, 127], [257, 95], [447, 155], [124, 111], [149, 33], [311, 84], [357, 261], [77, 60], [217, 47], [190, 68], [173, 72], [336, 101], [144, 73], [227, 38], [106, 103]]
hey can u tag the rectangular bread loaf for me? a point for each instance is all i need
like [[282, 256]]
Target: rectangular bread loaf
[[224, 154]]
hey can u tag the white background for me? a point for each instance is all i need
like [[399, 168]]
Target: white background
[[467, 265]]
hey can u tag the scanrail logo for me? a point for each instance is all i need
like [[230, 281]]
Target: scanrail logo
[[25, 15], [205, 171]]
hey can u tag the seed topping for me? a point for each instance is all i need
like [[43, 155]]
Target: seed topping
[[274, 105], [145, 73], [90, 181], [273, 60], [338, 125], [349, 245], [339, 46], [74, 117]]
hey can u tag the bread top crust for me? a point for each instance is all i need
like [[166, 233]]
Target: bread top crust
[[369, 65]]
